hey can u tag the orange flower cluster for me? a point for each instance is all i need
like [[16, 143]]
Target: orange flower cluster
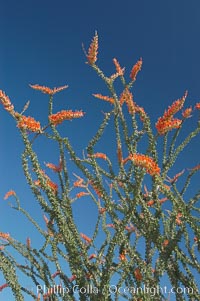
[[55, 168], [145, 162], [86, 238], [79, 182], [119, 69], [175, 107], [49, 183], [110, 226], [59, 117], [53, 186], [122, 256], [175, 178], [126, 94], [152, 202], [165, 242], [92, 256], [99, 155], [136, 68], [163, 126], [9, 193], [163, 200], [106, 98], [127, 97], [178, 219], [5, 100], [167, 122], [48, 90], [142, 113], [138, 274], [197, 106], [93, 51], [80, 194], [187, 112], [102, 210], [29, 123], [4, 235], [96, 189]]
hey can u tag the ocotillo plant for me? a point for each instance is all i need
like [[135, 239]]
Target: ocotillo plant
[[154, 224]]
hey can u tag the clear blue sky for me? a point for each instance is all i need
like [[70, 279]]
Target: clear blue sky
[[41, 42]]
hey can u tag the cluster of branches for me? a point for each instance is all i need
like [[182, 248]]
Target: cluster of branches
[[154, 231]]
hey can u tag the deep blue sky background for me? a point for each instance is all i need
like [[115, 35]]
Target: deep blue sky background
[[41, 43]]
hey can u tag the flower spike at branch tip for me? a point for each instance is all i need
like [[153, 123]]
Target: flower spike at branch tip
[[167, 122], [93, 50], [5, 100], [136, 68], [197, 106], [9, 193], [175, 178], [120, 71], [47, 90], [29, 123], [59, 117], [145, 162], [106, 98]]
